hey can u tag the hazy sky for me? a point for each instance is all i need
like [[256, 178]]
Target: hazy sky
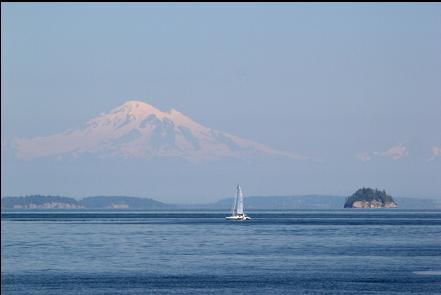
[[356, 85]]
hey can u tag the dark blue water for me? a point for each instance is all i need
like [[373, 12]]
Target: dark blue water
[[295, 252]]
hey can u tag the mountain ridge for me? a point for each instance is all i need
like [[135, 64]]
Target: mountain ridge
[[138, 130]]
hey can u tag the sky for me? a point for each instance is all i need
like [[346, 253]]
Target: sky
[[357, 86]]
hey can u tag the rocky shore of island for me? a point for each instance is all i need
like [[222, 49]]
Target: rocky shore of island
[[370, 198]]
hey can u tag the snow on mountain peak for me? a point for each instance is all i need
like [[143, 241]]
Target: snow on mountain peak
[[137, 129], [136, 107]]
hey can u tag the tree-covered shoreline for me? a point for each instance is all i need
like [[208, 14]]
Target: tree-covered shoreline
[[369, 195]]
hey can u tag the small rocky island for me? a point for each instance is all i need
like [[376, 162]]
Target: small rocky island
[[370, 198]]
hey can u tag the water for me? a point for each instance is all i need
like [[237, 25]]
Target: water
[[293, 252]]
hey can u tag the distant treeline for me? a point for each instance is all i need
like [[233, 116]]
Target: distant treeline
[[96, 202], [251, 202], [11, 202], [369, 195]]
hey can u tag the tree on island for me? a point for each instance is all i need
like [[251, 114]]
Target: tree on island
[[367, 197]]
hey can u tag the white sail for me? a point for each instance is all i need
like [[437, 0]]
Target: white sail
[[239, 198], [237, 210], [234, 208]]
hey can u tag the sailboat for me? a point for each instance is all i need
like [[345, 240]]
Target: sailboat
[[237, 210]]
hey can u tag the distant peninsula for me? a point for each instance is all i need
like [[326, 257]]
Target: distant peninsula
[[315, 202], [370, 198], [40, 202], [96, 202]]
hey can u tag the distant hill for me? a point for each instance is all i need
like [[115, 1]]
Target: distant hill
[[39, 201], [370, 198], [123, 202], [98, 202], [285, 202], [313, 202], [251, 203], [418, 203]]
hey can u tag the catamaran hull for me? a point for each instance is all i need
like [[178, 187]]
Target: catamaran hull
[[238, 218]]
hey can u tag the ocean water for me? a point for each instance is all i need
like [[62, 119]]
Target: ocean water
[[279, 252]]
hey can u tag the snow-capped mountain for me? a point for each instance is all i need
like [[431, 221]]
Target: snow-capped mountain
[[138, 130]]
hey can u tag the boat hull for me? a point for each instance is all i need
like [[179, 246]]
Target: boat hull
[[238, 218]]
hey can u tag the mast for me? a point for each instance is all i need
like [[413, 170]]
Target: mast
[[239, 199]]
